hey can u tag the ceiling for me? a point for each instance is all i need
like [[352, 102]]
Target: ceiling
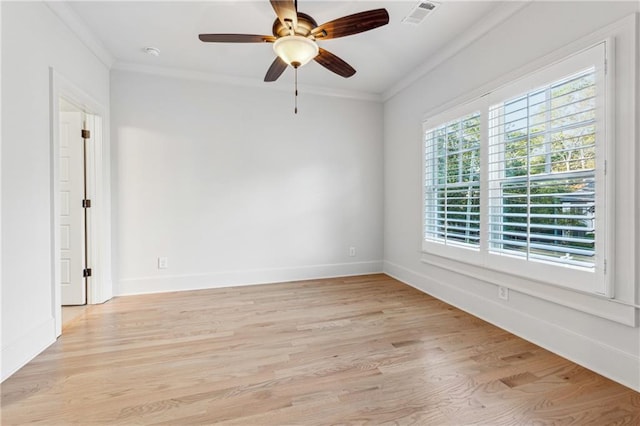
[[382, 57]]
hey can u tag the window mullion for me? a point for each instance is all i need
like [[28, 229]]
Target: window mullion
[[485, 146], [445, 186], [547, 133], [528, 182], [460, 162]]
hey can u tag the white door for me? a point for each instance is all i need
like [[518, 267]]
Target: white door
[[72, 229]]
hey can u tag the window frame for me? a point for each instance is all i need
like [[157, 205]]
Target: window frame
[[431, 185], [599, 281], [441, 248]]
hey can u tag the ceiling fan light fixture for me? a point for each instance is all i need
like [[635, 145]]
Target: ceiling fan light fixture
[[295, 50]]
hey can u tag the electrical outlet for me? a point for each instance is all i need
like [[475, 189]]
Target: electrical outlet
[[352, 251], [503, 293], [163, 263]]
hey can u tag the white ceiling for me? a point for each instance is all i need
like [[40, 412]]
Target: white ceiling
[[382, 57]]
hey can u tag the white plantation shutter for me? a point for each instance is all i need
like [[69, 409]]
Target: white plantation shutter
[[452, 182], [515, 181], [542, 177]]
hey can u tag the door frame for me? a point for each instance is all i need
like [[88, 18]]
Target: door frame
[[100, 286]]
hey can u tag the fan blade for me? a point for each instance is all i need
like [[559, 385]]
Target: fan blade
[[236, 38], [275, 70], [352, 24], [334, 64], [286, 12]]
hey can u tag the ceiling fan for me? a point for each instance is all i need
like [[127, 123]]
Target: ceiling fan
[[295, 36]]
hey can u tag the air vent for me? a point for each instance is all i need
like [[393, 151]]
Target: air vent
[[419, 12]]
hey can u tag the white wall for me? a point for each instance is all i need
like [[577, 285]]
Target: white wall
[[233, 188], [33, 39], [606, 345]]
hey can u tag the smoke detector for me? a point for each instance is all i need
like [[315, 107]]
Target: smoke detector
[[153, 51], [419, 12]]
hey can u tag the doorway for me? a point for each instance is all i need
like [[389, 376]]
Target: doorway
[[80, 199], [75, 150]]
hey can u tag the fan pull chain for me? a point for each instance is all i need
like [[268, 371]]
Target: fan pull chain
[[295, 111]]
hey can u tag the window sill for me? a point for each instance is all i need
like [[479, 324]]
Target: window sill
[[589, 303]]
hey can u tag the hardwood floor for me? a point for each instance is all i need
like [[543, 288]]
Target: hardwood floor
[[72, 313], [358, 350]]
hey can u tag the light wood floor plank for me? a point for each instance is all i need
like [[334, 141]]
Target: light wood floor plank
[[355, 350]]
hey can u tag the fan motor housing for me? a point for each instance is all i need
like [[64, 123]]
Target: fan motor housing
[[305, 24]]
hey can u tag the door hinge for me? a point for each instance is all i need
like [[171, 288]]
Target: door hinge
[[86, 134], [86, 272], [86, 204]]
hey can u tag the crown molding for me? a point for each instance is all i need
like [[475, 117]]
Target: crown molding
[[71, 19], [186, 74], [486, 24]]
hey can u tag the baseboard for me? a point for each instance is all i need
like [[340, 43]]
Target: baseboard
[[27, 347], [606, 360], [162, 284]]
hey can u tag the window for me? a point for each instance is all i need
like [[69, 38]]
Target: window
[[515, 181], [542, 173], [452, 173]]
